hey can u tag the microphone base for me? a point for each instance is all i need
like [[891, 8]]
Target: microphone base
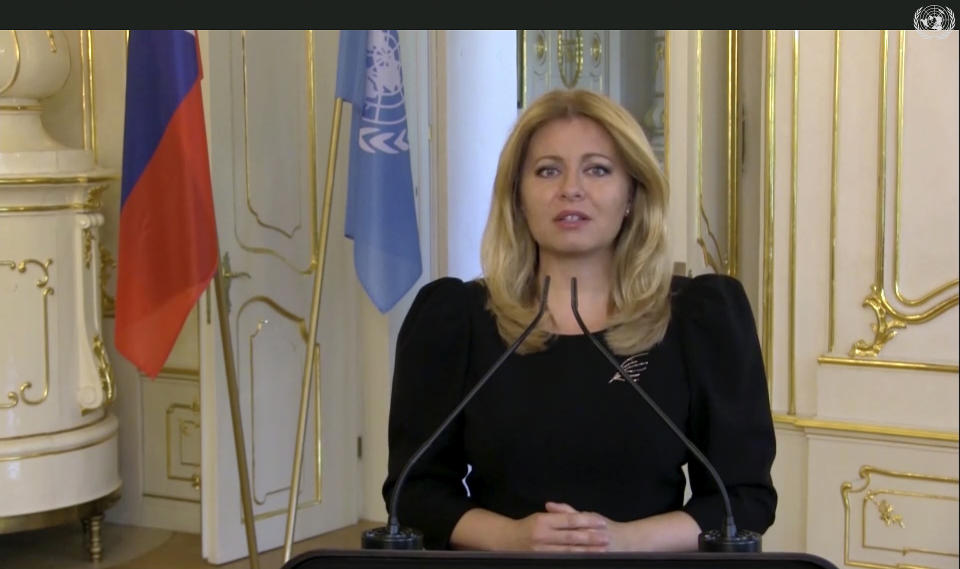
[[400, 538], [745, 541]]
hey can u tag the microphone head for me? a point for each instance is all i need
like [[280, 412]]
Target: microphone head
[[745, 541], [399, 538]]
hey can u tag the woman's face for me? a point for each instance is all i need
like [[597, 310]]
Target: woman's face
[[574, 188]]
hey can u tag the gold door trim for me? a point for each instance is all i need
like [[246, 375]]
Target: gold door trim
[[13, 399], [717, 263], [302, 328], [171, 409], [311, 135]]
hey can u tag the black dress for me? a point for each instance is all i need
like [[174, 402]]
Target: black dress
[[561, 424]]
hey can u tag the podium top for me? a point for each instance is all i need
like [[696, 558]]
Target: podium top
[[374, 559]]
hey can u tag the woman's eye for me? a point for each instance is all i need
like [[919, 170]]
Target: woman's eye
[[547, 171], [598, 170]]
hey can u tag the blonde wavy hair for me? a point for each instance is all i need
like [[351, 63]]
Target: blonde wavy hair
[[639, 300]]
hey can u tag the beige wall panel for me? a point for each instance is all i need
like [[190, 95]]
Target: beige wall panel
[[928, 523]]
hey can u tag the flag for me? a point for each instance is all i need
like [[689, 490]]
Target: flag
[[381, 216], [168, 237]]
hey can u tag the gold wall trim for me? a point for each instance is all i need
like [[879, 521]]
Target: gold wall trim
[[79, 207], [898, 292], [849, 427], [311, 112], [717, 264], [865, 472], [769, 170], [832, 334], [917, 366], [13, 399], [733, 152], [888, 319], [792, 300], [666, 104], [56, 180], [16, 64], [93, 101], [889, 517]]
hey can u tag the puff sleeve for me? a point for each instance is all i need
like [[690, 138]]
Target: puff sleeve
[[431, 362], [730, 418]]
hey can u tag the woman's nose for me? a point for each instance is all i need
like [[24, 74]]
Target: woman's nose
[[571, 189]]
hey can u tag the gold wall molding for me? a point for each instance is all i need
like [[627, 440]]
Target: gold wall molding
[[806, 423], [887, 515], [769, 172], [890, 320], [13, 398], [716, 263], [311, 135], [891, 364]]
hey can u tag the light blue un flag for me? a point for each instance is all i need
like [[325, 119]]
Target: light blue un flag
[[381, 216]]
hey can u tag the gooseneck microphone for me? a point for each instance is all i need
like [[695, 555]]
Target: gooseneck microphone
[[728, 538], [392, 536]]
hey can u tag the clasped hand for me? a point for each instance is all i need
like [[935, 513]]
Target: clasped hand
[[563, 528]]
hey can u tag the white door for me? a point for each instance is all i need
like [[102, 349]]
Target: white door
[[269, 108]]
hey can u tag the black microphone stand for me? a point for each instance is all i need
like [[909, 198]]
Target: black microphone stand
[[393, 536], [728, 538]]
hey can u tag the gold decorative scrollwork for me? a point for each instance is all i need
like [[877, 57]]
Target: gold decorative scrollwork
[[107, 264], [93, 196], [42, 283], [886, 511], [596, 50], [570, 56], [87, 246], [105, 370], [541, 47], [52, 40], [889, 320]]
